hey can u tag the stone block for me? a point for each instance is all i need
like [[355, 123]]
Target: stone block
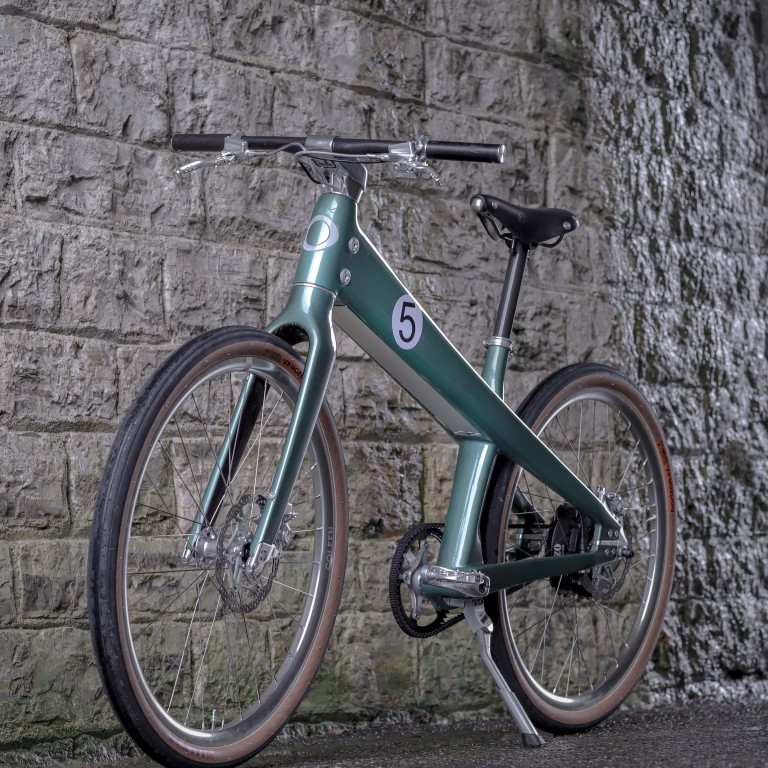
[[177, 25], [8, 137], [437, 482], [590, 327], [366, 582], [44, 692], [246, 205], [113, 284], [280, 271], [61, 177], [375, 406], [564, 32], [86, 457], [400, 11], [359, 50], [60, 13], [723, 72], [207, 286], [540, 330], [14, 654], [121, 87], [441, 239], [32, 52], [7, 598], [384, 487], [303, 107], [30, 262], [515, 28], [147, 197], [452, 678], [52, 578], [33, 483], [136, 364], [367, 53], [368, 671], [480, 82], [214, 96], [276, 35], [644, 48], [71, 380]]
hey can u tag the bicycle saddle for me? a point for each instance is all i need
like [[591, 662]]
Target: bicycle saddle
[[530, 226]]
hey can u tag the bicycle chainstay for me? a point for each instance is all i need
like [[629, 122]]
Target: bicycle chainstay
[[406, 622]]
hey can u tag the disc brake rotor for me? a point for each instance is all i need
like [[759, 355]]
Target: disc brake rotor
[[241, 591], [571, 533]]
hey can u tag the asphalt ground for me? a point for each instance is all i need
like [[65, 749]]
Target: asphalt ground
[[708, 735], [716, 735]]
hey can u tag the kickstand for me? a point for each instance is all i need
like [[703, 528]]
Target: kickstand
[[482, 626]]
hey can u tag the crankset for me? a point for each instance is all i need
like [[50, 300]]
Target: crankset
[[415, 613]]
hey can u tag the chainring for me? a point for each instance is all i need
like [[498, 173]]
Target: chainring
[[413, 550]]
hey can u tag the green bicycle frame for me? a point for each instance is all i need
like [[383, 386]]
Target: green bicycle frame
[[341, 279]]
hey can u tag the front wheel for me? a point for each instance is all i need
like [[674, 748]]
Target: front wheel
[[573, 647], [204, 659]]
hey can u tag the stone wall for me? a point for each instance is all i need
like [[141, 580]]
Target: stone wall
[[648, 119]]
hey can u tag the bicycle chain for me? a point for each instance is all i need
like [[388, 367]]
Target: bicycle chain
[[231, 594], [403, 619]]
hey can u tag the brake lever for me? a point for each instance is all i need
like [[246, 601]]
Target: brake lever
[[197, 165], [409, 161], [235, 148]]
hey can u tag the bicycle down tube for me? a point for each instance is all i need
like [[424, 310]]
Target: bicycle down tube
[[341, 276]]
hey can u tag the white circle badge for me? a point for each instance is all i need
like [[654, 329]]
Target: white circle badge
[[407, 322], [324, 236]]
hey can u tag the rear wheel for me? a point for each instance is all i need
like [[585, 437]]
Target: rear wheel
[[573, 647], [203, 659]]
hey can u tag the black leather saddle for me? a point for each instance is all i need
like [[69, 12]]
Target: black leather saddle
[[530, 226]]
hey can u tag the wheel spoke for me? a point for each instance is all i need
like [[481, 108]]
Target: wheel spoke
[[574, 637], [201, 643]]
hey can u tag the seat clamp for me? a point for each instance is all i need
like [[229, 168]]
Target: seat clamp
[[500, 341]]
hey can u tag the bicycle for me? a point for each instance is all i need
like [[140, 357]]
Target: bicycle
[[219, 540]]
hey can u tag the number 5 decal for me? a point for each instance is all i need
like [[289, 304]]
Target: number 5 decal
[[406, 322]]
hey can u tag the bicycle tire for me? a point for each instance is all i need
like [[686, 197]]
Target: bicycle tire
[[573, 648], [202, 663]]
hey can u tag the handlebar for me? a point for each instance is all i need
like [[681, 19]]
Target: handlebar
[[434, 150]]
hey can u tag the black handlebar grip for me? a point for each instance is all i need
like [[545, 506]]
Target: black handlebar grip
[[474, 153], [198, 142], [435, 150]]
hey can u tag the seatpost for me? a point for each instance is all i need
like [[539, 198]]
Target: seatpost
[[518, 255], [499, 345]]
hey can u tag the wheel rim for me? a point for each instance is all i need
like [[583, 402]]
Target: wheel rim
[[572, 651], [212, 669]]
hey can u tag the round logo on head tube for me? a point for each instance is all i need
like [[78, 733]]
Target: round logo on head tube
[[321, 233], [407, 322]]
